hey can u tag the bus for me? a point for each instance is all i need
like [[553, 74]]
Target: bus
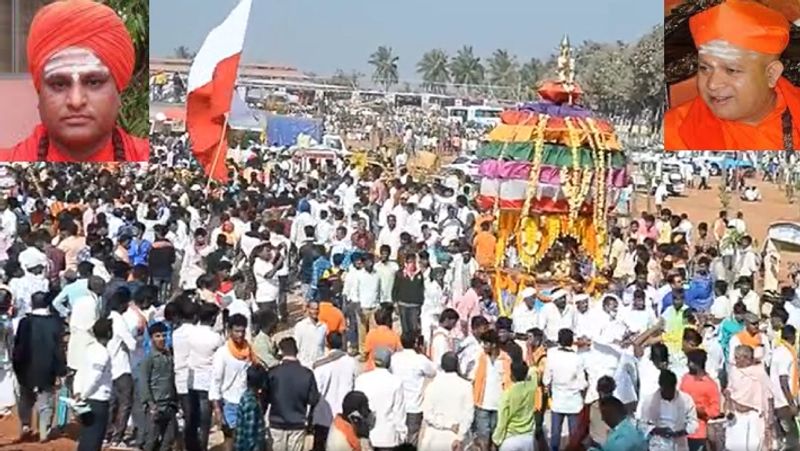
[[484, 115]]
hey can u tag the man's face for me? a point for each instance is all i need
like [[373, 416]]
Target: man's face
[[312, 310], [237, 334], [638, 303], [78, 100], [582, 306], [737, 89], [391, 222], [159, 341]]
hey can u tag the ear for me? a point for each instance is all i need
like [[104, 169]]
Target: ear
[[774, 71]]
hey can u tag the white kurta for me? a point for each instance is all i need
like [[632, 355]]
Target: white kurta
[[81, 320], [447, 410], [385, 394], [335, 379]]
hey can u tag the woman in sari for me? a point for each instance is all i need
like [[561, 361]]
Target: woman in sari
[[748, 403]]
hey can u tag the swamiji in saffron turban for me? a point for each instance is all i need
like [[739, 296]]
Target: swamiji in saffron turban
[[81, 58], [744, 103]]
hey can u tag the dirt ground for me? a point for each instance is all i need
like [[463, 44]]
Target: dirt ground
[[705, 205], [699, 205]]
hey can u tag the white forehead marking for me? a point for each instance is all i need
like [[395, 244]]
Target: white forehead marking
[[74, 61], [725, 50]]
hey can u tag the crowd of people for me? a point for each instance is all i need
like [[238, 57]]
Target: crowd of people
[[361, 308]]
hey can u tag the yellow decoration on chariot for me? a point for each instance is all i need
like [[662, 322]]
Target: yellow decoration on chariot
[[531, 237]]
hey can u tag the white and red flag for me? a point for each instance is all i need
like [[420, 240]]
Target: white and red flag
[[211, 84]]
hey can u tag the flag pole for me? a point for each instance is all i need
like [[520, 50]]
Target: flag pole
[[216, 153]]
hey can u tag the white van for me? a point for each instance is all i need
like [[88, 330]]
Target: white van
[[484, 115]]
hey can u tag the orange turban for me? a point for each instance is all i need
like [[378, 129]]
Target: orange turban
[[743, 23], [81, 23]]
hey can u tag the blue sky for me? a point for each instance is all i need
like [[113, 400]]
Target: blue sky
[[324, 35]]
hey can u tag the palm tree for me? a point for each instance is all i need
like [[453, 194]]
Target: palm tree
[[434, 71], [503, 70], [183, 52], [466, 68], [530, 75], [385, 67]]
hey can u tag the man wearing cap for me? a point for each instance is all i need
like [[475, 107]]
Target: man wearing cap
[[81, 57], [744, 103], [384, 391]]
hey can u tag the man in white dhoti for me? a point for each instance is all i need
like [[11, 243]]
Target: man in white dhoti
[[670, 414], [447, 408], [749, 402], [335, 374]]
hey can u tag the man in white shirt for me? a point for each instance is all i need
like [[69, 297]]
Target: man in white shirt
[[390, 236], [746, 295], [335, 374], [470, 347], [524, 315], [447, 407], [365, 294], [747, 261], [309, 333], [281, 245], [413, 368], [119, 348], [386, 270], [782, 372], [661, 195], [203, 345], [85, 313], [93, 385], [670, 414], [442, 338], [384, 391], [556, 315], [229, 376], [565, 377]]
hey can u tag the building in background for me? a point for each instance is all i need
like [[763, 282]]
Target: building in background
[[16, 88], [15, 19]]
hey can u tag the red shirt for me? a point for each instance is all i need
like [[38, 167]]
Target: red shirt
[[705, 394], [136, 149]]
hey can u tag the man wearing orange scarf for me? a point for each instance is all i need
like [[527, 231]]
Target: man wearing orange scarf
[[751, 336], [492, 376], [785, 379], [80, 57], [229, 376], [744, 103]]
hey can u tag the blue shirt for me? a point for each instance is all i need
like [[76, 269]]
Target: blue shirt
[[69, 294], [138, 251], [624, 437]]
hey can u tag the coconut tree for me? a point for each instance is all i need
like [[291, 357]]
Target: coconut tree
[[434, 71], [183, 52], [504, 70], [531, 73], [466, 68], [385, 63]]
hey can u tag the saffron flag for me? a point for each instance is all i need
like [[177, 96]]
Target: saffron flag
[[211, 83]]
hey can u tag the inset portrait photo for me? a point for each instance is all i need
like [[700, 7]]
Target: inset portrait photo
[[74, 81], [733, 71]]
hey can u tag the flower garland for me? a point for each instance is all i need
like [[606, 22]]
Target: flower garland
[[530, 240], [575, 185], [600, 207]]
